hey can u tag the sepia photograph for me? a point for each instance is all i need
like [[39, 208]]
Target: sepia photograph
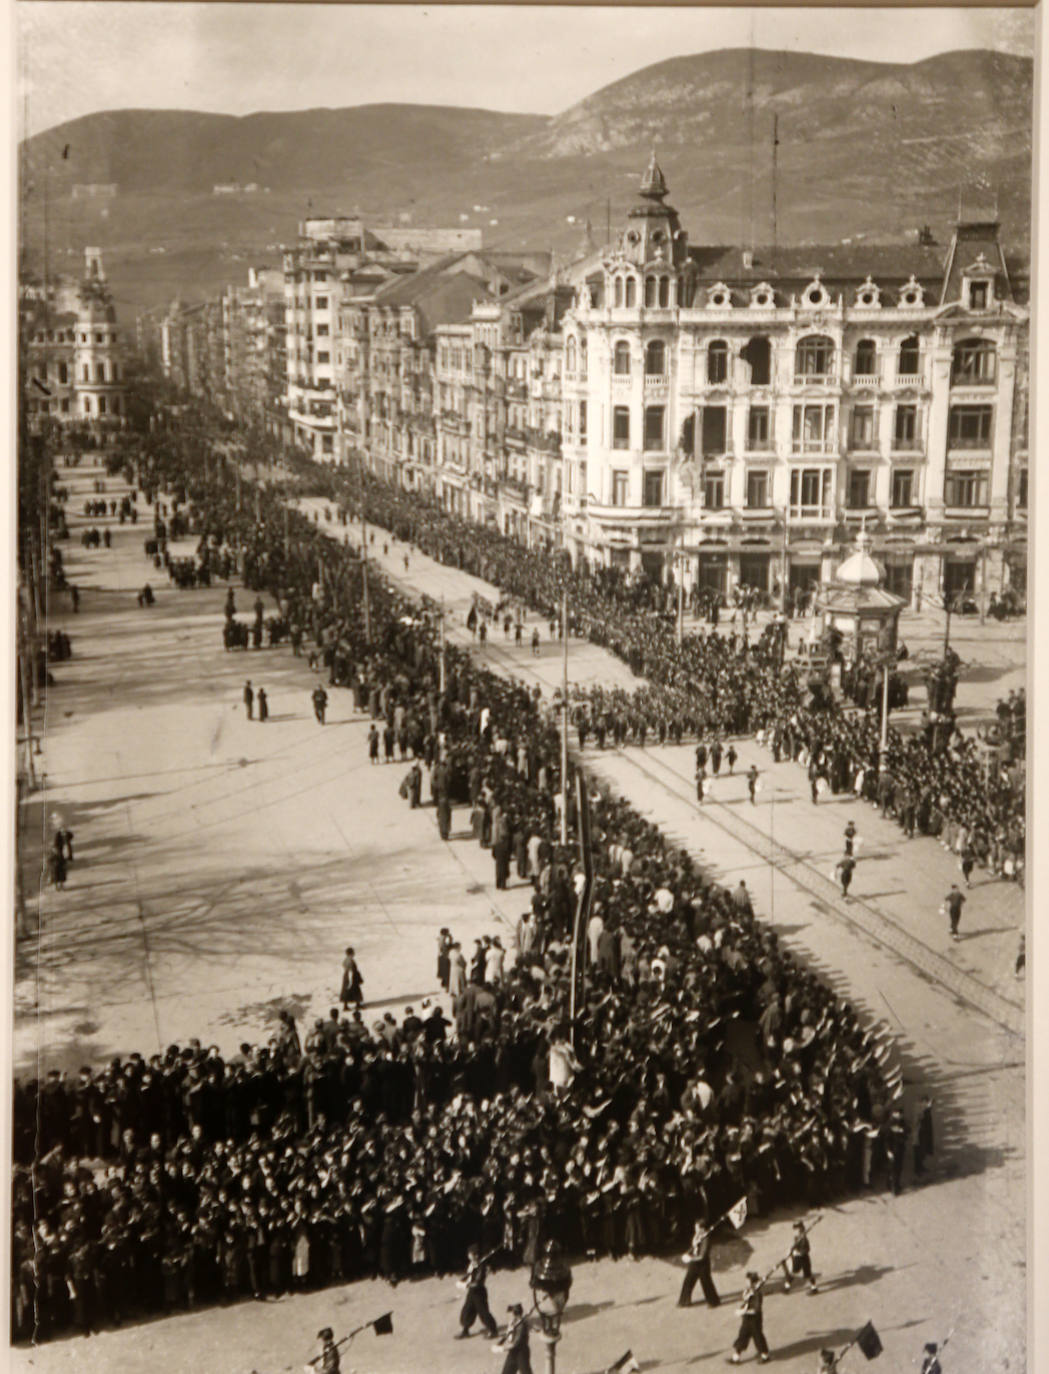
[[593, 442]]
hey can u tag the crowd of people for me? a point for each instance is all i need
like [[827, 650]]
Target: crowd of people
[[715, 685], [705, 1063]]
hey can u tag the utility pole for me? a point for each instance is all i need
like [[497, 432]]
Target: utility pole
[[564, 716], [364, 556], [775, 162], [443, 662], [883, 747]]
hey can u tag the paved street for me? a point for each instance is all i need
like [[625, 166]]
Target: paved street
[[223, 865]]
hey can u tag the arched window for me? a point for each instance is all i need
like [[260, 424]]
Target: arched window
[[907, 365], [656, 359], [866, 358], [813, 358], [619, 291], [631, 291], [758, 353], [973, 363], [650, 291], [621, 356], [717, 361], [570, 355], [664, 291]]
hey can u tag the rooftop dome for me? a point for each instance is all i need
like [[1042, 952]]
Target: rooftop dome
[[860, 569]]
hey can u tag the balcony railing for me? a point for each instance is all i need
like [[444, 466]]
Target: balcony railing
[[867, 383], [822, 514]]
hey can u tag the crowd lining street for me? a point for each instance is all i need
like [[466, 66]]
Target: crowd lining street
[[153, 962]]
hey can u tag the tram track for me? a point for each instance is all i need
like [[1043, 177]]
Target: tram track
[[857, 913]]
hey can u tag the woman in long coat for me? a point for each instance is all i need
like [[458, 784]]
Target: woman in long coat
[[351, 981], [457, 976]]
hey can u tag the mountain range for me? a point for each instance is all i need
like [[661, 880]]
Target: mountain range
[[863, 150]]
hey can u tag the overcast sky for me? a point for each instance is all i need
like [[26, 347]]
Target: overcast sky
[[79, 57]]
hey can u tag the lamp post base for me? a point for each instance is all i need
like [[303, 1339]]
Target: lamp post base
[[549, 1352]]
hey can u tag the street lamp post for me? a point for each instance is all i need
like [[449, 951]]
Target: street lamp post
[[564, 715], [551, 1284], [883, 747]]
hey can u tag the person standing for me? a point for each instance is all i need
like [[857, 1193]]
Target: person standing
[[373, 743], [501, 853], [930, 1359], [800, 1259], [952, 905], [923, 1135], [731, 756], [249, 699], [968, 862], [444, 816], [698, 1267], [444, 965], [751, 1326], [264, 709], [515, 1343], [327, 1362], [850, 838], [352, 981], [319, 698], [752, 782], [475, 1305]]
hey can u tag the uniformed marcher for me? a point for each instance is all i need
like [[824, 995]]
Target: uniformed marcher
[[515, 1343], [931, 1360], [800, 1258], [327, 1362], [475, 1305], [751, 1326], [698, 1262]]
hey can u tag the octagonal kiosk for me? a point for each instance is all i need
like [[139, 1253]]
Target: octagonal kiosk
[[858, 619]]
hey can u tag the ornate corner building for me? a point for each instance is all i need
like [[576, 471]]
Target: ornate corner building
[[72, 351], [736, 416]]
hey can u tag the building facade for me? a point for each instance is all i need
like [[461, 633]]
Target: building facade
[[735, 417], [714, 415], [73, 351]]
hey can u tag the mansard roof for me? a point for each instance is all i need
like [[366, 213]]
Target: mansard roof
[[845, 267]]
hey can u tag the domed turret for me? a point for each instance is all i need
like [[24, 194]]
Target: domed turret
[[860, 569], [653, 233]]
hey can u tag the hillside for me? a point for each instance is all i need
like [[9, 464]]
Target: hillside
[[866, 150]]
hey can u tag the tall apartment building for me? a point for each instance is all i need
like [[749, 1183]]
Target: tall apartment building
[[499, 412], [737, 416]]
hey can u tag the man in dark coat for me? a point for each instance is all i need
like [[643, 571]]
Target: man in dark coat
[[515, 1342], [475, 1305], [501, 853], [698, 1267], [751, 1326]]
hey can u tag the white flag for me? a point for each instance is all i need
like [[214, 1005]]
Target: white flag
[[737, 1215]]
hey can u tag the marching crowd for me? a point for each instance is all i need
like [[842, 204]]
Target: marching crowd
[[706, 1063], [712, 685]]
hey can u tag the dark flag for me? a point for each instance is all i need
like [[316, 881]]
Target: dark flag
[[625, 1362], [869, 1341], [383, 1326]]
